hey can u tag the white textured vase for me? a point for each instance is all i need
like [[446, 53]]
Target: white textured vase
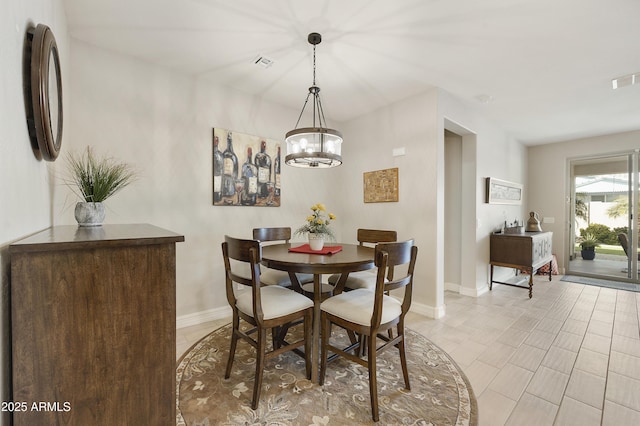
[[89, 214], [316, 241]]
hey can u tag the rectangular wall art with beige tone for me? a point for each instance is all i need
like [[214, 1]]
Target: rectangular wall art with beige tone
[[94, 325], [502, 192], [381, 186]]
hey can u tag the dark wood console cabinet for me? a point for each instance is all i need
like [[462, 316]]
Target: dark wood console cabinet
[[524, 252], [93, 323]]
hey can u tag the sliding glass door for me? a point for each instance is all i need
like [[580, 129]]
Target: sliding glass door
[[603, 212]]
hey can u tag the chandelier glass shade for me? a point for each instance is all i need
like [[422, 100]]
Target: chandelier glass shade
[[316, 146]]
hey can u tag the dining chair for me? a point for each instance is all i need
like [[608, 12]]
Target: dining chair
[[264, 307], [624, 242], [370, 313], [365, 279], [272, 276]]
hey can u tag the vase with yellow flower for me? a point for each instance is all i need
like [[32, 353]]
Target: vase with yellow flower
[[317, 227]]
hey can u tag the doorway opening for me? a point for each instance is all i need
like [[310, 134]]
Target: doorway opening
[[603, 237], [459, 215], [453, 211]]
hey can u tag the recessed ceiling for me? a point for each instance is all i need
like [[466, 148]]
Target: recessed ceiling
[[542, 70]]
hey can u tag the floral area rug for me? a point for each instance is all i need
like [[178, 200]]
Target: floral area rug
[[440, 393]]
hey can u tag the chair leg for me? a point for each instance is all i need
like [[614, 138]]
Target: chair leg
[[361, 350], [373, 379], [261, 350], [403, 356], [352, 336], [308, 336], [275, 337], [325, 335], [234, 342]]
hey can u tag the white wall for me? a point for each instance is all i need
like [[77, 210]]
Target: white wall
[[548, 174], [417, 124], [25, 182], [161, 122], [409, 124]]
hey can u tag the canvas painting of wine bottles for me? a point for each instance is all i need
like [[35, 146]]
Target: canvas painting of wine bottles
[[246, 170]]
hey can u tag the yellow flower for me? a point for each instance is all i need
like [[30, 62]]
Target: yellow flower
[[318, 222]]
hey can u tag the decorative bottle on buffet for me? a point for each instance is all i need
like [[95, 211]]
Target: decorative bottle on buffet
[[263, 162], [218, 168], [276, 172], [250, 178], [230, 170]]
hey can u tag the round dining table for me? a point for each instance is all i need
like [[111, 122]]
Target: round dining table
[[351, 258]]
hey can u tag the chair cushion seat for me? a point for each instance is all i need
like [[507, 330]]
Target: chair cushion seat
[[274, 277], [360, 279], [276, 302], [357, 306]]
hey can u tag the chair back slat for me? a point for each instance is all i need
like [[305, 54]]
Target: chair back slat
[[374, 236], [240, 279], [398, 253], [272, 234], [240, 250], [396, 284]]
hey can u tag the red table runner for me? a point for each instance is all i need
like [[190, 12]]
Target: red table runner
[[306, 249]]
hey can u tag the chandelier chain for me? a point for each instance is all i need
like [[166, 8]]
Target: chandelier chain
[[317, 106], [316, 97], [314, 64], [317, 103], [301, 112]]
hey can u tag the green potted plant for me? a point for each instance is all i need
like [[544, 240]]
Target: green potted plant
[[94, 179], [317, 227], [588, 244]]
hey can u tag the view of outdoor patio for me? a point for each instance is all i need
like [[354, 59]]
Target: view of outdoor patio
[[601, 226]]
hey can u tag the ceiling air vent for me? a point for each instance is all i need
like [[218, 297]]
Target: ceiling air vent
[[263, 61], [626, 80]]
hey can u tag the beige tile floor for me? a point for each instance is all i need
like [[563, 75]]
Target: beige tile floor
[[569, 356]]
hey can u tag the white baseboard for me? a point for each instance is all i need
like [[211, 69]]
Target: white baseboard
[[452, 287], [466, 291], [435, 312], [474, 292], [203, 316]]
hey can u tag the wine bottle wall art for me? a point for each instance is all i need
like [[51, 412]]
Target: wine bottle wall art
[[246, 170]]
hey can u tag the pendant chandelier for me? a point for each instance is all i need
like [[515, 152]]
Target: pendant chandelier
[[316, 146]]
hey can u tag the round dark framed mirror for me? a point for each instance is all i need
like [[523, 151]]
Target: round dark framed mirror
[[46, 92]]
